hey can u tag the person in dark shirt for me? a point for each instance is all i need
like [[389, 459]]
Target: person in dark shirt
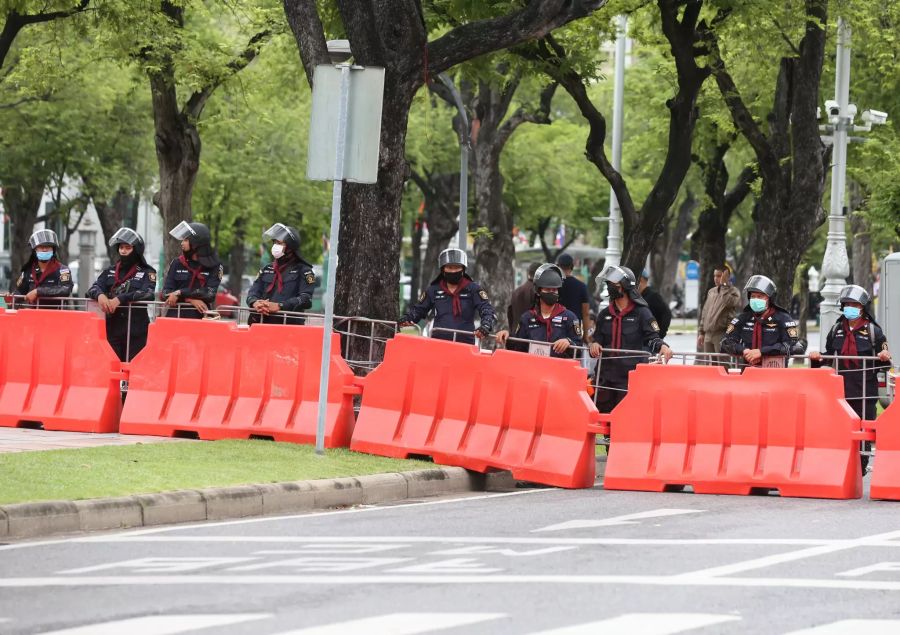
[[455, 299], [129, 280], [574, 294], [194, 276], [44, 278], [522, 299], [285, 284], [656, 304]]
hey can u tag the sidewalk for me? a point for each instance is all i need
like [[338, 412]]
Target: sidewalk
[[29, 440]]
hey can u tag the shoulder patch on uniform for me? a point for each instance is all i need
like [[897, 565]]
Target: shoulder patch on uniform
[[221, 271], [884, 346], [792, 332], [483, 294], [310, 277], [152, 276], [422, 296], [654, 325], [19, 281], [65, 275], [578, 329], [790, 324], [730, 327]]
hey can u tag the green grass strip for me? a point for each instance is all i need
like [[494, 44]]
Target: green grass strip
[[155, 467]]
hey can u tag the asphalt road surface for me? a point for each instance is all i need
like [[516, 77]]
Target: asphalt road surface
[[533, 561]]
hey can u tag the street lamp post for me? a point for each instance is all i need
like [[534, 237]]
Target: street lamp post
[[614, 237], [840, 113], [465, 136], [87, 239]]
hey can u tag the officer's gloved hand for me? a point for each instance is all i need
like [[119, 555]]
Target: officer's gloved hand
[[482, 331]]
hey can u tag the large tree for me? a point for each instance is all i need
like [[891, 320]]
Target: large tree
[[394, 34], [18, 14], [681, 26], [790, 154]]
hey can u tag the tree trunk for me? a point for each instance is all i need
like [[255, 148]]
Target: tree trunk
[[22, 202], [674, 238], [415, 273], [804, 302], [441, 216]]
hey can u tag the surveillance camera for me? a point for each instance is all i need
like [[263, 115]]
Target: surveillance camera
[[851, 110], [833, 108], [875, 117]]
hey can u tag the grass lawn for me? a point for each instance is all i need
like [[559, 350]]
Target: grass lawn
[[156, 467]]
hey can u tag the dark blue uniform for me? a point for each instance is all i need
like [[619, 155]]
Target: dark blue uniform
[[290, 284], [562, 324], [471, 298], [637, 331], [870, 341], [55, 284], [139, 287], [778, 334], [194, 281]]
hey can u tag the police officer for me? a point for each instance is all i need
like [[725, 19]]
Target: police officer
[[455, 299], [194, 276], [763, 329], [548, 321], [625, 324], [43, 275], [286, 283], [131, 279], [856, 333]]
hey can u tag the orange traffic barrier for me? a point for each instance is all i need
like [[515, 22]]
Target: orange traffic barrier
[[885, 474], [58, 370], [507, 410], [766, 429], [222, 381]]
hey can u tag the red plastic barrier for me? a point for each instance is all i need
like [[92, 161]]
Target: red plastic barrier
[[56, 368], [223, 381], [721, 433], [885, 474], [508, 411]]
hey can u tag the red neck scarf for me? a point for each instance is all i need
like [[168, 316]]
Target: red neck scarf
[[197, 274], [849, 347], [52, 267], [457, 305], [117, 281], [548, 321], [757, 327], [617, 322], [280, 268]]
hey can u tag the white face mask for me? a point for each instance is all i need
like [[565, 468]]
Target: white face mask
[[277, 251]]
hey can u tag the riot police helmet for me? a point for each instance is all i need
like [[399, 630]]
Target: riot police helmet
[[197, 234], [548, 276], [127, 236], [290, 236], [760, 284], [854, 293], [453, 256], [43, 237], [617, 275]]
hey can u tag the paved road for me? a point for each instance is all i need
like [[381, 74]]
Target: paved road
[[530, 561]]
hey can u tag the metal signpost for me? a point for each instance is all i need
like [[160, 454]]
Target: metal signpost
[[344, 140]]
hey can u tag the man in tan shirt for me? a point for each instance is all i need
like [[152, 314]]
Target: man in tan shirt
[[723, 302]]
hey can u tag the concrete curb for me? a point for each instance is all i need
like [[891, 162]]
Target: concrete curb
[[34, 520]]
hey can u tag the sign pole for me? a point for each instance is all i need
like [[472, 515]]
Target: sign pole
[[341, 142]]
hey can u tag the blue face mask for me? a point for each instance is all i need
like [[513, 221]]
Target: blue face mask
[[44, 256], [852, 312], [758, 305]]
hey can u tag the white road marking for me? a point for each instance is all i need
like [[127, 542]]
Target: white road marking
[[262, 519], [869, 627], [628, 519], [383, 579], [881, 566], [451, 566], [161, 564], [399, 624], [504, 540], [645, 624], [324, 564], [161, 624], [480, 550], [791, 556], [332, 548]]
